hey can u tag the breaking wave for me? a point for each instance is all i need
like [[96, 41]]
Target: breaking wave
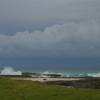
[[10, 71], [94, 75]]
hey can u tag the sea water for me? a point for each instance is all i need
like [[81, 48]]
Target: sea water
[[69, 72]]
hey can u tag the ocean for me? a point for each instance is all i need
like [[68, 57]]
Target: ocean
[[64, 71], [67, 72]]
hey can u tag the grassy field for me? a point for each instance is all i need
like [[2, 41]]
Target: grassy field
[[28, 90]]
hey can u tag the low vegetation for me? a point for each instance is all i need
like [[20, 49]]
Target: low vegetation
[[28, 90], [93, 83]]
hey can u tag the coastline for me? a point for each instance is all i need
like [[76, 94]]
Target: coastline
[[48, 79]]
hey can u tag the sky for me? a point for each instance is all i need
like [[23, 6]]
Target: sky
[[50, 33]]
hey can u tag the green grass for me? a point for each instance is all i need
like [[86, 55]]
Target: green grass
[[28, 90]]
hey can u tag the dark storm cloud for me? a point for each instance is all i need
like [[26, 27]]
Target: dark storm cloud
[[69, 39], [76, 34]]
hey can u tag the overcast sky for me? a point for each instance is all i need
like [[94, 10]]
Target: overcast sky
[[45, 29]]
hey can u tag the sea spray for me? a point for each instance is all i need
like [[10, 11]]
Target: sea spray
[[94, 75], [10, 71]]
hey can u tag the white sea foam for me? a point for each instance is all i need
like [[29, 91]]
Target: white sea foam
[[10, 71], [94, 75]]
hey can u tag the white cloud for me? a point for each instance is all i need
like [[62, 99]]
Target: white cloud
[[69, 39]]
